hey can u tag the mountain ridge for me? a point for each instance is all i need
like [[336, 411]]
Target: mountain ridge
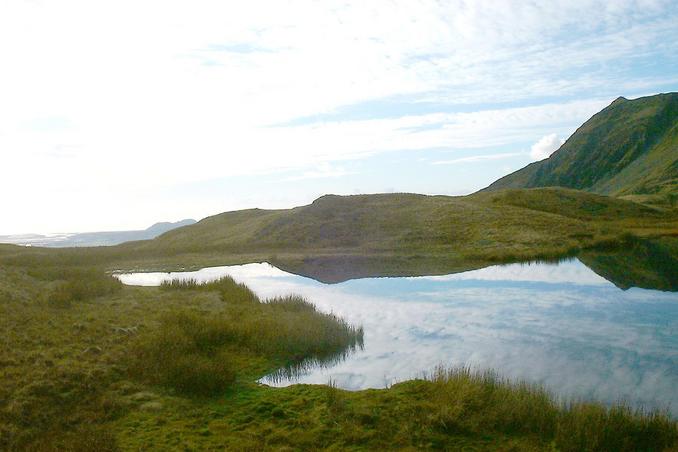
[[630, 148], [102, 238]]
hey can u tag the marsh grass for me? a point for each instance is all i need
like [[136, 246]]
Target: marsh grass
[[591, 426], [180, 284], [227, 287], [192, 352], [85, 438], [67, 383], [481, 401], [76, 284]]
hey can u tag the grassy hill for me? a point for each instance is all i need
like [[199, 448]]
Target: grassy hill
[[381, 223], [630, 148], [341, 237], [408, 233], [92, 365]]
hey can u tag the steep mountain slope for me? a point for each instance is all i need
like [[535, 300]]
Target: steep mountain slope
[[628, 148]]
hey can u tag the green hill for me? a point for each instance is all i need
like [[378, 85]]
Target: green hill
[[630, 148], [341, 237], [407, 233]]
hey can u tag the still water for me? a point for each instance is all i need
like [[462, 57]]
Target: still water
[[560, 325]]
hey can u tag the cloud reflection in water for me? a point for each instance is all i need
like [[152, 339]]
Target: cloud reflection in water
[[557, 324]]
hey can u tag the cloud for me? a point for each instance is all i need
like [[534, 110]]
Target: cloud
[[189, 93], [323, 171], [479, 158], [546, 146]]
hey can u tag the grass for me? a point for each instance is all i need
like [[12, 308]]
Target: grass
[[175, 368], [192, 353], [452, 410], [339, 237], [81, 285], [627, 149], [86, 363], [482, 401]]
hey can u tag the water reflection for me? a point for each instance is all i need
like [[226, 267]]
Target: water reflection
[[557, 324], [295, 371]]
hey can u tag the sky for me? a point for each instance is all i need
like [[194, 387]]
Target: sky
[[116, 115]]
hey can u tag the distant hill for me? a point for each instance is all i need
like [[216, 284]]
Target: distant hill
[[342, 237], [106, 238], [629, 149], [497, 226]]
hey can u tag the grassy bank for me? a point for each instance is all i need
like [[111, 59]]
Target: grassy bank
[[89, 364], [387, 234], [175, 367], [452, 410], [194, 353]]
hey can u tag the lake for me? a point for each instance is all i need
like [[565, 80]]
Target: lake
[[560, 325]]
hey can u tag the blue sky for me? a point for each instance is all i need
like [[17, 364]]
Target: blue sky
[[115, 115]]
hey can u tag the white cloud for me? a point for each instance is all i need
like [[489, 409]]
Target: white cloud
[[546, 146], [478, 158], [323, 171]]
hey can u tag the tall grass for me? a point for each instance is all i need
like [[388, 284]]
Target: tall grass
[[77, 284], [191, 353], [228, 288], [473, 401], [185, 354], [180, 284]]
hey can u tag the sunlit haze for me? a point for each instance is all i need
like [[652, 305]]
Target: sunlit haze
[[115, 115]]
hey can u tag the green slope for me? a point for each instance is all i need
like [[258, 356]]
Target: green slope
[[494, 226], [342, 237], [628, 148]]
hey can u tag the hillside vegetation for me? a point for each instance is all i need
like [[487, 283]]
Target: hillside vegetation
[[341, 237], [175, 368], [89, 364], [629, 149], [462, 231]]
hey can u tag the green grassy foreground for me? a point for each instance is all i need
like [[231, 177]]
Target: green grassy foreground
[[89, 364]]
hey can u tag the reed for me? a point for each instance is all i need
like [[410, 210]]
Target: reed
[[191, 352], [482, 401]]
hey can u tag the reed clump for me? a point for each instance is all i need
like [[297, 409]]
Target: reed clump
[[228, 288], [481, 401], [191, 352], [73, 285]]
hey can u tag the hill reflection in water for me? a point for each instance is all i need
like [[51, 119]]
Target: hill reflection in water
[[560, 324]]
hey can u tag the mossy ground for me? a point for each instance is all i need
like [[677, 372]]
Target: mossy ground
[[306, 417], [71, 337], [68, 383]]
